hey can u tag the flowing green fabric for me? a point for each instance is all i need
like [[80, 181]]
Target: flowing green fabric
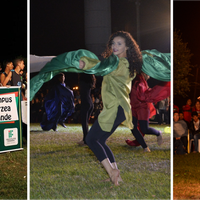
[[157, 65], [69, 62]]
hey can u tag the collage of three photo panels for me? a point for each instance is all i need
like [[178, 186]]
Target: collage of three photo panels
[[99, 99]]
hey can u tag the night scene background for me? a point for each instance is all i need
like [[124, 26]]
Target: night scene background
[[13, 22], [58, 26], [186, 17]]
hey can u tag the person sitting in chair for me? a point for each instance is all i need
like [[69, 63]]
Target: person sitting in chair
[[195, 130], [180, 134]]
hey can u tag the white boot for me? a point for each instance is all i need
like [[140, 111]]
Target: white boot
[[113, 173]]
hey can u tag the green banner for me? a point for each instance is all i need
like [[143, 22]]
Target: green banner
[[10, 119]]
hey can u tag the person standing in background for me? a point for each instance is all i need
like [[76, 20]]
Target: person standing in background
[[8, 67], [163, 108], [86, 84], [187, 111]]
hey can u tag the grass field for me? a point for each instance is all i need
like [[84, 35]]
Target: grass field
[[186, 176], [13, 174], [60, 169]]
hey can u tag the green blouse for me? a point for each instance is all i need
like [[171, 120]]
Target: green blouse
[[116, 84], [116, 87]]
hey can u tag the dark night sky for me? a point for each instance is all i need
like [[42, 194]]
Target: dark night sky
[[186, 20], [13, 23], [59, 27]]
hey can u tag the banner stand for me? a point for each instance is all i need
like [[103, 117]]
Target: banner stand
[[11, 150], [10, 119]]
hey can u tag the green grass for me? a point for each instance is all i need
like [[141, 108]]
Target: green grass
[[13, 175], [60, 169], [186, 176]]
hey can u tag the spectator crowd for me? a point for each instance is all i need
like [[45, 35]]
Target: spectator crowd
[[186, 127], [13, 73]]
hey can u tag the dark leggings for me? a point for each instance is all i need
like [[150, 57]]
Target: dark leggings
[[96, 138], [145, 129], [86, 111]]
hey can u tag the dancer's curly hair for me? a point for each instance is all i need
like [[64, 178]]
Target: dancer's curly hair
[[134, 54]]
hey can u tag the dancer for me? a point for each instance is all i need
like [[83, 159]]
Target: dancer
[[86, 83], [115, 95], [123, 60], [142, 98], [58, 104], [156, 65]]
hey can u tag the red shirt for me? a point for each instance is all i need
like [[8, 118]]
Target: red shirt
[[176, 108], [187, 113], [142, 97]]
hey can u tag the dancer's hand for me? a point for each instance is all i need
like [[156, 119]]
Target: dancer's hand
[[81, 64]]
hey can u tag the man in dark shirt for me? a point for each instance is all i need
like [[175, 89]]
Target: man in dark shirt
[[15, 75], [195, 130]]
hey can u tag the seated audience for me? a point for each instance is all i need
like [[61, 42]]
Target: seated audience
[[197, 107], [180, 134], [181, 117], [195, 130]]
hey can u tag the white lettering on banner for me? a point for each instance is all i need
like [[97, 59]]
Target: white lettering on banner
[[8, 108]]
